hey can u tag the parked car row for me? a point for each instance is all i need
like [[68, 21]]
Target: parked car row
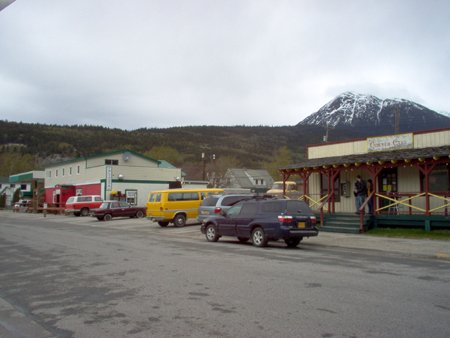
[[244, 216]]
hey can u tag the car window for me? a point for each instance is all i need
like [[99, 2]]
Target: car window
[[152, 198], [203, 195], [124, 205], [249, 209], [104, 206], [190, 196], [209, 202], [158, 198], [234, 210], [271, 207], [98, 199], [298, 208], [115, 205]]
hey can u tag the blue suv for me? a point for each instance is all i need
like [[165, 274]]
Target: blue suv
[[262, 220]]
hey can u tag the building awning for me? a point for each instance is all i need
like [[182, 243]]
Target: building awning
[[29, 177], [381, 157]]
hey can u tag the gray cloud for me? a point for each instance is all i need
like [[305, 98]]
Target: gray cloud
[[172, 63]]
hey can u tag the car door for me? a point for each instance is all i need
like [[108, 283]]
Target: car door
[[116, 209], [226, 224], [245, 218], [126, 209]]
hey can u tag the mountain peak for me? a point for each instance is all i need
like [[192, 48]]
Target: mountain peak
[[368, 111]]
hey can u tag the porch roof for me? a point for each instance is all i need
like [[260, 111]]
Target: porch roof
[[382, 156]]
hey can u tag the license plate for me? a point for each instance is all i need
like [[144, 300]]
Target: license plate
[[205, 212], [301, 224]]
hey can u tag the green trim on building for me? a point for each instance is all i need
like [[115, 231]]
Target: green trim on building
[[21, 177]]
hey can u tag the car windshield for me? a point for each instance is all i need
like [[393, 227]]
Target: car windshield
[[104, 206], [278, 186]]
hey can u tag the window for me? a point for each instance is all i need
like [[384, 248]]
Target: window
[[115, 205], [249, 209], [131, 197], [78, 169], [152, 198], [438, 179], [271, 207], [112, 162], [70, 171], [183, 196], [324, 187], [234, 210], [79, 192], [56, 173], [63, 172], [98, 199], [23, 187], [158, 198]]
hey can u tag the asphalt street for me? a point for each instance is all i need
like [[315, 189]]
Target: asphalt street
[[78, 277]]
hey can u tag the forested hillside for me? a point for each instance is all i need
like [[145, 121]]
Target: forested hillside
[[27, 146]]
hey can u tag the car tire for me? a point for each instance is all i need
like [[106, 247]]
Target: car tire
[[100, 218], [243, 239], [179, 221], [211, 233], [84, 212], [139, 214], [259, 237], [293, 241], [108, 217], [163, 224]]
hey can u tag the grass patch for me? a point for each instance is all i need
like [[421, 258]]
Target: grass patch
[[410, 233]]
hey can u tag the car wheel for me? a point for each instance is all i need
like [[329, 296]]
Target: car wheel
[[179, 221], [84, 211], [163, 224], [293, 241], [100, 218], [243, 239], [108, 217], [259, 238], [211, 234], [139, 214]]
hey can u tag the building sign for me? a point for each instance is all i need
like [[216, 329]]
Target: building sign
[[394, 142], [108, 178]]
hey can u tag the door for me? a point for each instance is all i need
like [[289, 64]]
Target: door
[[387, 184], [227, 224]]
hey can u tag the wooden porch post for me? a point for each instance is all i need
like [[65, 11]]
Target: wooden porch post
[[426, 170], [375, 176]]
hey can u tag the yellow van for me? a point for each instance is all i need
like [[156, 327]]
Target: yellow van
[[176, 205]]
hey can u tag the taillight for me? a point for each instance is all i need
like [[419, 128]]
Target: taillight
[[217, 210], [313, 220], [285, 219]]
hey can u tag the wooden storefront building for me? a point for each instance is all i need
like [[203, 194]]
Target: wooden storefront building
[[410, 174]]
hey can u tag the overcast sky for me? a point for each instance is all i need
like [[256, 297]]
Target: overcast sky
[[146, 63]]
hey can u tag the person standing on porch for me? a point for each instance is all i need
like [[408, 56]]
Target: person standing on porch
[[369, 191], [360, 192]]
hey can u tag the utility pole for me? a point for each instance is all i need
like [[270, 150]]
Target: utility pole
[[204, 160], [327, 128], [397, 120]]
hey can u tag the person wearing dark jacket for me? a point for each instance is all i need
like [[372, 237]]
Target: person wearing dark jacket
[[360, 193]]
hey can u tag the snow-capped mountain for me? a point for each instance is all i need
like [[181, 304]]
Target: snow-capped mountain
[[368, 111]]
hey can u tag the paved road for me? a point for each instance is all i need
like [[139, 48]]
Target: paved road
[[77, 277]]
